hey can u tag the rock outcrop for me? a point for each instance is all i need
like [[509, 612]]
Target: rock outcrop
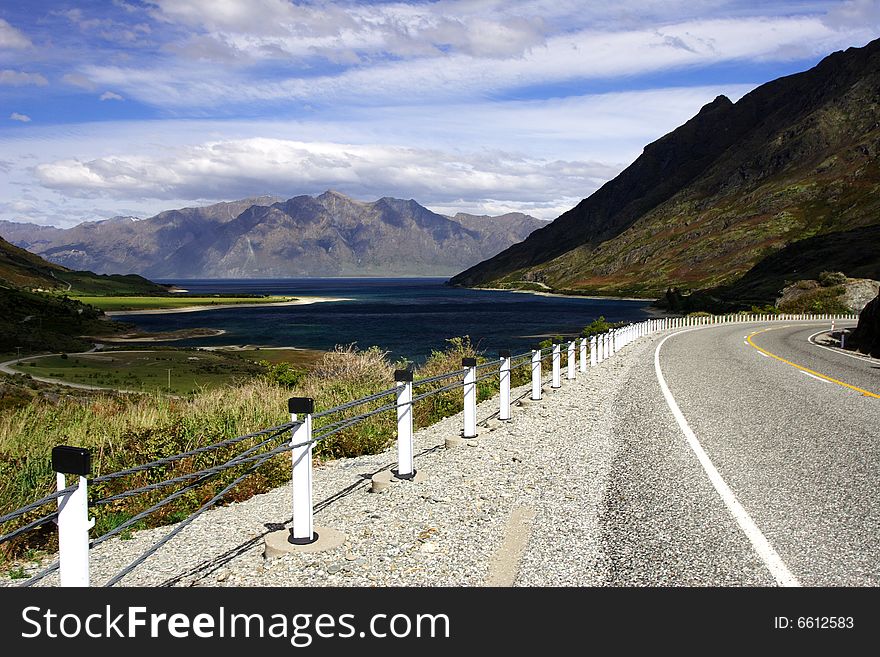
[[866, 337]]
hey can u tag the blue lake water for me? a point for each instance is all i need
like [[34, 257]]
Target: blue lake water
[[407, 317]]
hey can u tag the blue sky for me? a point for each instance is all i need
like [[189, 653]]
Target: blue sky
[[129, 107]]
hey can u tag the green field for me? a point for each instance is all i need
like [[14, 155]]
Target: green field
[[155, 303], [149, 371]]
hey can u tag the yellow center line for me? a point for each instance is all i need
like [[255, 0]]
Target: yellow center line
[[866, 393]]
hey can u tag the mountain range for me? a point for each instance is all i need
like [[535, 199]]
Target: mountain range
[[742, 197], [265, 237]]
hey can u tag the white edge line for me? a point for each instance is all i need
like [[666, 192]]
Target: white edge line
[[864, 359], [813, 376], [765, 551]]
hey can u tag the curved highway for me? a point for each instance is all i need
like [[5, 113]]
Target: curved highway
[[769, 474]]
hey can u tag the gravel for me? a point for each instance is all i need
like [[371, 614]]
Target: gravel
[[554, 456]]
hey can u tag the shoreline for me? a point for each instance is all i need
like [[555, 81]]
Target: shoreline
[[564, 296], [303, 301], [168, 336]]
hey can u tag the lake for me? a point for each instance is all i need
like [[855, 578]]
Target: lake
[[408, 317]]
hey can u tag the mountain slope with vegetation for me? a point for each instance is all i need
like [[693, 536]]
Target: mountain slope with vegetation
[[36, 312], [20, 268], [795, 159]]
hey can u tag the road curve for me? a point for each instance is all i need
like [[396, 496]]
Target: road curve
[[798, 450]]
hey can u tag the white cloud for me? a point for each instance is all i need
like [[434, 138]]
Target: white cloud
[[12, 38], [79, 80], [15, 116], [109, 95], [582, 55], [238, 167], [21, 79], [539, 157]]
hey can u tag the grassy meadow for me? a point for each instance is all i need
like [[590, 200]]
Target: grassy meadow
[[127, 430]]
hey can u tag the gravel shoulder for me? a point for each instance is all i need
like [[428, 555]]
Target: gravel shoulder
[[551, 460]]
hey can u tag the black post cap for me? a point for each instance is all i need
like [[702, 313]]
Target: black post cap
[[403, 375], [469, 362], [504, 353], [301, 405], [72, 460]]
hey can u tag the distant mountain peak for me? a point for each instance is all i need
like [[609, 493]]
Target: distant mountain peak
[[326, 235]]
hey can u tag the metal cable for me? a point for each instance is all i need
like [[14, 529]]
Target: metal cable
[[490, 363], [424, 395], [199, 450], [35, 505], [180, 527], [25, 528], [173, 496], [439, 377], [344, 424], [356, 402], [40, 575], [239, 460], [488, 375]]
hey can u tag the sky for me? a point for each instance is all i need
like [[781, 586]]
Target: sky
[[131, 107]]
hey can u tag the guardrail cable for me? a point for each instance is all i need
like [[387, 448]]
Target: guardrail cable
[[356, 402], [275, 431], [36, 505], [183, 524]]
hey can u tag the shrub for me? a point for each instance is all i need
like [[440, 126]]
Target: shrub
[[832, 278]]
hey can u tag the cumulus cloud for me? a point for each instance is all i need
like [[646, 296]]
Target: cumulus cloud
[[109, 95], [15, 116], [21, 79], [238, 167], [12, 38]]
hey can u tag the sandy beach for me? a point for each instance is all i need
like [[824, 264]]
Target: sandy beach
[[302, 301]]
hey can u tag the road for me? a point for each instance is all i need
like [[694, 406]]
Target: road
[[7, 368], [796, 459]]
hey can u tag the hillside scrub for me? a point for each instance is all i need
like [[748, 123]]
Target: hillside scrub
[[124, 431]]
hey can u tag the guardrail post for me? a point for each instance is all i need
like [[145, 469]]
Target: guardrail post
[[73, 514], [593, 351], [583, 354], [536, 374], [403, 381], [303, 531], [571, 363], [470, 397], [504, 385], [556, 361]]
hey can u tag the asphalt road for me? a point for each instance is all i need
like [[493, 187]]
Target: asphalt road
[[799, 453]]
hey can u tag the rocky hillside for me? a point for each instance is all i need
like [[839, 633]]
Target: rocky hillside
[[831, 292], [328, 235], [797, 158]]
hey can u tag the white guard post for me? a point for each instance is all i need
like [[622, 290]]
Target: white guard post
[[73, 515], [557, 367], [571, 364], [583, 363], [536, 374], [593, 351], [504, 384], [302, 532], [403, 380], [470, 397]]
